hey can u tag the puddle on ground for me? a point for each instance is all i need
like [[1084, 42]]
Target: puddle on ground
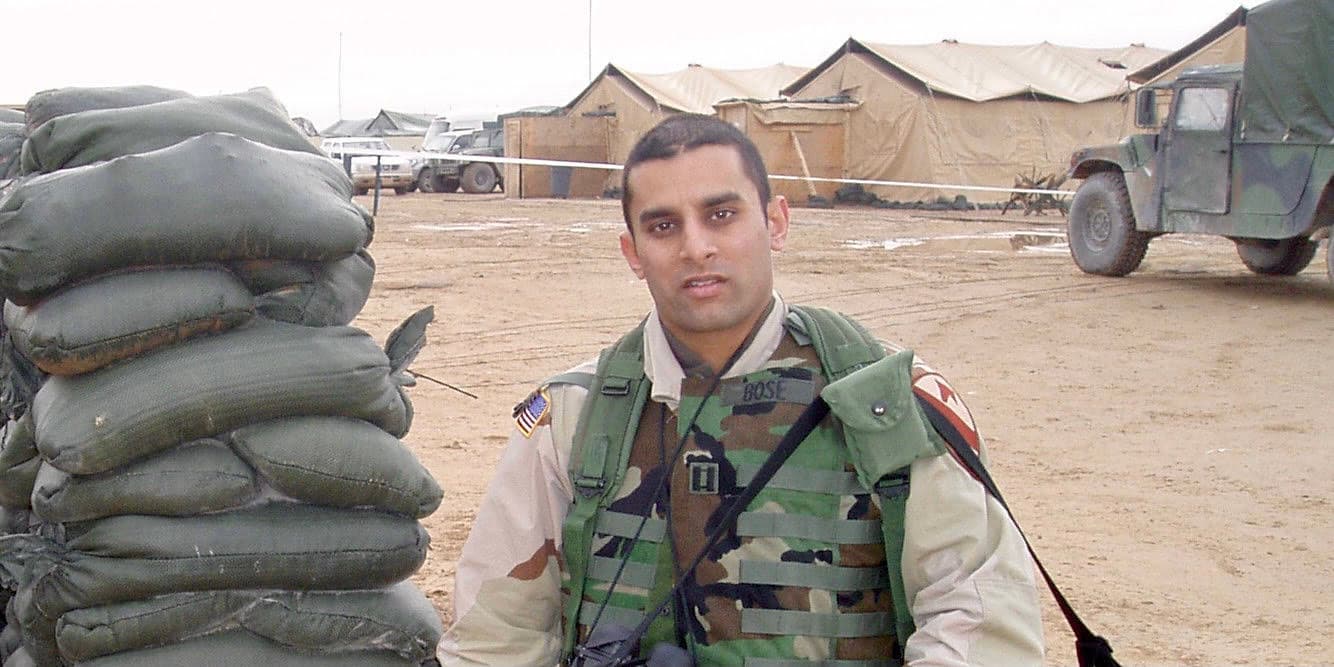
[[1010, 241]]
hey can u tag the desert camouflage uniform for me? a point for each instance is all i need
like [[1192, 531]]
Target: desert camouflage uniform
[[965, 569]]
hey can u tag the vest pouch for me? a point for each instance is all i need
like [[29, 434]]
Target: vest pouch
[[881, 422]]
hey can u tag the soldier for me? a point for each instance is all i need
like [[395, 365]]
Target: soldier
[[830, 564]]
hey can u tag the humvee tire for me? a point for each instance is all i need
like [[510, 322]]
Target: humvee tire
[[478, 178], [1101, 228], [1282, 257], [1329, 258]]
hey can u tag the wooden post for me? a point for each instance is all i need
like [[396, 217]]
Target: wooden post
[[805, 169]]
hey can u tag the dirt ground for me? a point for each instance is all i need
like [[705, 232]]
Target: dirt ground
[[1164, 439]]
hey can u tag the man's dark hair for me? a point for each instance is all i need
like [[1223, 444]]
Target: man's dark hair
[[682, 132]]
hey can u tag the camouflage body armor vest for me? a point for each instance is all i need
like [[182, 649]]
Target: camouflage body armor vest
[[811, 574]]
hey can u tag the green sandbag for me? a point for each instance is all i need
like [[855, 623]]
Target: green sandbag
[[194, 478], [277, 545], [397, 618], [12, 116], [121, 315], [94, 136], [19, 378], [11, 147], [20, 658], [314, 294], [241, 649], [213, 198], [48, 104], [91, 423], [339, 462], [19, 463]]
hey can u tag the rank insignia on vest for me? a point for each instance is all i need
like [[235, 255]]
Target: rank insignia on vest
[[531, 412], [703, 477]]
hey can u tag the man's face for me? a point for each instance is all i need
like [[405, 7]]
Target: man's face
[[702, 244]]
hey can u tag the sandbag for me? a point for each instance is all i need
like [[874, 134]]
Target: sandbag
[[397, 618], [91, 423], [89, 137], [11, 147], [19, 378], [10, 642], [194, 478], [48, 104], [287, 546], [20, 658], [338, 462], [241, 649], [11, 116], [121, 315], [19, 463], [213, 198], [315, 294]]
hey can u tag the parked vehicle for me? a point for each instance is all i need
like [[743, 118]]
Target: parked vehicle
[[395, 171], [426, 173], [1246, 152], [448, 174]]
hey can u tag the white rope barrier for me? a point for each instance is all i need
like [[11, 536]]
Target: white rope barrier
[[538, 162]]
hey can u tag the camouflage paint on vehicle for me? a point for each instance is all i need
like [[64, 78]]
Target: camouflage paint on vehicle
[[1258, 163], [1266, 190], [806, 557]]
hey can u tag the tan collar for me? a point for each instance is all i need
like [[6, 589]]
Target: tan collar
[[664, 371]]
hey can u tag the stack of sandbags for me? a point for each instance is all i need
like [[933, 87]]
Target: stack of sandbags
[[206, 466], [11, 145]]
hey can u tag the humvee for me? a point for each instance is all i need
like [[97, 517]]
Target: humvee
[[1245, 151]]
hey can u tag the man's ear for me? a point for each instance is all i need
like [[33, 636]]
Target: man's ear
[[778, 222], [631, 254]]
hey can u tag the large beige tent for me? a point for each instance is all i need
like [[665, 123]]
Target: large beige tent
[[951, 113], [604, 120]]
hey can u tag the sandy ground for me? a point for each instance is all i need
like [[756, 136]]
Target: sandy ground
[[1164, 438]]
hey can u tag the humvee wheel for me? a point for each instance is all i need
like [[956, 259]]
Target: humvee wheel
[[1281, 257], [478, 178], [1329, 258], [1101, 229]]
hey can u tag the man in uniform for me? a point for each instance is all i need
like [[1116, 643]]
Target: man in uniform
[[804, 577]]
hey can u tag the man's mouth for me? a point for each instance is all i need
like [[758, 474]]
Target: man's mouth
[[703, 284]]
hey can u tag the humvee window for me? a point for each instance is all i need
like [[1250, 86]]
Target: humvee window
[[1203, 109]]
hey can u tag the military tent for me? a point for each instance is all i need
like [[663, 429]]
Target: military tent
[[605, 119], [399, 124], [969, 114], [347, 128]]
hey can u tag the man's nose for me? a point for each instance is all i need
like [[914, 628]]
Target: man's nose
[[697, 241]]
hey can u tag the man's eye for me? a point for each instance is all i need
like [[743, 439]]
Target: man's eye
[[661, 226], [722, 214]]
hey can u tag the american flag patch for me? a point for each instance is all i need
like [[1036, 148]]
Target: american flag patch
[[529, 414]]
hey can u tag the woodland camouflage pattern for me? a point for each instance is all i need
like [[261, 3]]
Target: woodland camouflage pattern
[[750, 413]]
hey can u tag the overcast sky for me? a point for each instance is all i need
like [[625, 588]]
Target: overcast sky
[[455, 57]]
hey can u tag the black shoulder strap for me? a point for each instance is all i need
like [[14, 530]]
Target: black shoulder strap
[[1091, 650]]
